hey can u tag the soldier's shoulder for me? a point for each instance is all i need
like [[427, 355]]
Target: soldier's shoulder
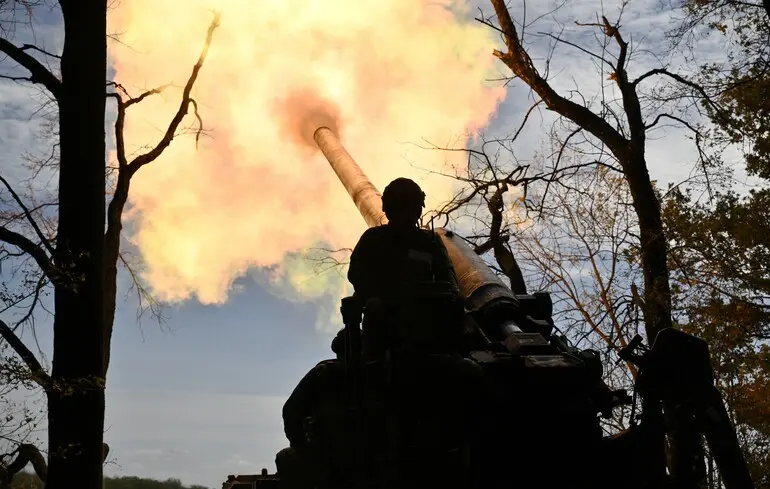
[[329, 368], [373, 234]]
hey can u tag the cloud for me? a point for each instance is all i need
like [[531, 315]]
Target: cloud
[[316, 275]]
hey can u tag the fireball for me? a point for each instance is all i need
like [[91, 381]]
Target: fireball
[[396, 78]]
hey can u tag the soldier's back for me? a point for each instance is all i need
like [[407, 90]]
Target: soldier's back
[[388, 258]]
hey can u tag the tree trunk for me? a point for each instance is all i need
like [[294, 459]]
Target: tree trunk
[[630, 153], [653, 247], [76, 398]]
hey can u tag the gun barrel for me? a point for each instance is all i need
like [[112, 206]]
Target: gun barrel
[[364, 194], [479, 284]]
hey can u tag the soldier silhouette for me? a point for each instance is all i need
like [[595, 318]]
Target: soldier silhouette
[[393, 256], [390, 268], [312, 417]]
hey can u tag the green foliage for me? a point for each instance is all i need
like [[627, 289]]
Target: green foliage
[[749, 121], [741, 84], [26, 480], [726, 245], [719, 257], [720, 253]]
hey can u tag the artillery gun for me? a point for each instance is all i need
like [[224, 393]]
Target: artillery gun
[[541, 415]]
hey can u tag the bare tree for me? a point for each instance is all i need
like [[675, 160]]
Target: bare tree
[[70, 249], [619, 133], [579, 248], [568, 229]]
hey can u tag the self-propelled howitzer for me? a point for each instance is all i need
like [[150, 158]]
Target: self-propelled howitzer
[[539, 422]]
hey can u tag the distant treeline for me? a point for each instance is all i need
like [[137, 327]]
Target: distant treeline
[[26, 480]]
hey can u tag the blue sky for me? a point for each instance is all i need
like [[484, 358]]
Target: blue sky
[[201, 397]]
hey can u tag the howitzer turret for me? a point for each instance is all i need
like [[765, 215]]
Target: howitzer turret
[[539, 418]]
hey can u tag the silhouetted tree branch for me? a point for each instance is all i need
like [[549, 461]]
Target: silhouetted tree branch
[[126, 171], [36, 369], [629, 152], [26, 453], [27, 246], [44, 240], [38, 72]]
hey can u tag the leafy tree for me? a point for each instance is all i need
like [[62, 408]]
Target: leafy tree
[[721, 246], [721, 283]]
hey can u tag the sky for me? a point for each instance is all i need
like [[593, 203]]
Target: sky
[[200, 396]]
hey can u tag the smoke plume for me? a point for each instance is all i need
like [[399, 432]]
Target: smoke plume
[[388, 75]]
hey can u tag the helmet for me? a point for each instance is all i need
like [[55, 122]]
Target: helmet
[[403, 200]]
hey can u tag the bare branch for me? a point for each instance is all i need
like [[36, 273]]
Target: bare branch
[[126, 170], [41, 283], [120, 144], [525, 119], [39, 375], [698, 139], [135, 100], [698, 88], [517, 59], [562, 147], [45, 240], [16, 78], [38, 254], [25, 47], [145, 299], [199, 131], [38, 72], [580, 48], [154, 153]]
